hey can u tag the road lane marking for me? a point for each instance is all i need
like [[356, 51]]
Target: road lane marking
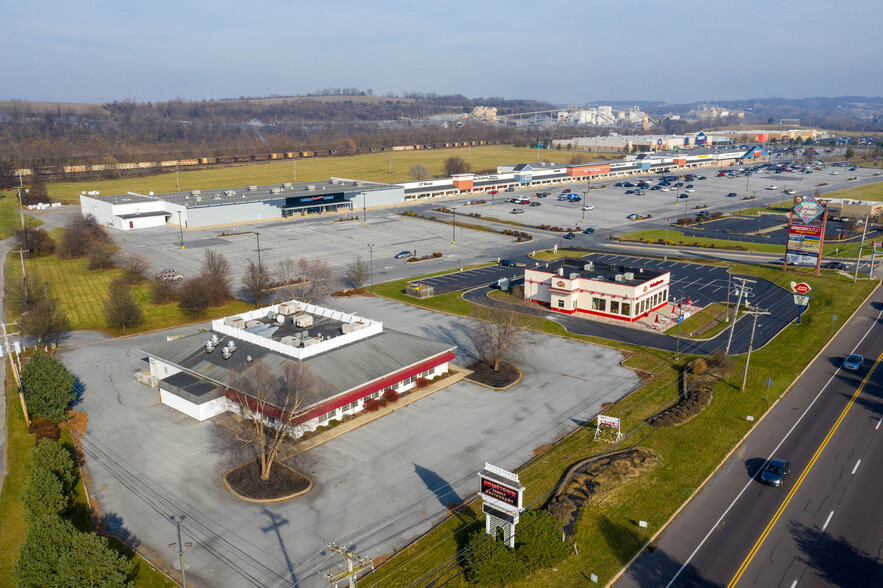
[[803, 475], [828, 520], [878, 424], [856, 467], [791, 430], [794, 583]]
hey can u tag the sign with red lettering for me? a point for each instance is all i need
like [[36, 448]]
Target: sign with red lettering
[[501, 492], [801, 288]]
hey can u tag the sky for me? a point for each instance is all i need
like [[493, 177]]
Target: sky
[[563, 52]]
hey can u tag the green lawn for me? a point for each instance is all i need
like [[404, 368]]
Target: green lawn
[[372, 167], [781, 208], [80, 293], [713, 313], [10, 217], [866, 192], [607, 535]]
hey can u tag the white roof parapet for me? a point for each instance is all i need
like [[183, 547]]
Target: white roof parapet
[[370, 329]]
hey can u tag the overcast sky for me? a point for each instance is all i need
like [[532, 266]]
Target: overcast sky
[[562, 52]]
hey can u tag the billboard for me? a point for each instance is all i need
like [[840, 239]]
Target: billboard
[[806, 233], [500, 492]]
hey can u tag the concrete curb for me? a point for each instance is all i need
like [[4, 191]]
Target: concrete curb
[[232, 491], [518, 381], [738, 445]]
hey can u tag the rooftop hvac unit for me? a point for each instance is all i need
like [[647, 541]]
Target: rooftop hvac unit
[[589, 267], [216, 197], [209, 346], [360, 183], [199, 198], [252, 188], [231, 343], [629, 276], [290, 340], [303, 320], [226, 353], [310, 187], [230, 192], [275, 190], [288, 308], [214, 339], [248, 359], [619, 278], [252, 323], [352, 327], [236, 322], [286, 184], [574, 276], [195, 192], [280, 319], [561, 271]]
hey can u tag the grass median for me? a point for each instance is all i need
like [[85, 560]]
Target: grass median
[[11, 216], [607, 535]]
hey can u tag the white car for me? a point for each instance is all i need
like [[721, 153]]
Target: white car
[[588, 207], [791, 192], [834, 173], [690, 190], [773, 187], [666, 189]]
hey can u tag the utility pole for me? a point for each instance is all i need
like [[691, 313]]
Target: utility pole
[[181, 552], [177, 178], [260, 266], [743, 289], [181, 228], [729, 276], [364, 208], [453, 225], [858, 258], [21, 396], [461, 249], [667, 223], [756, 313], [354, 564], [678, 348]]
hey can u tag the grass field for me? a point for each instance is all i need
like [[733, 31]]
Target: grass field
[[607, 535], [780, 207], [712, 318], [81, 293], [10, 218], [866, 192], [373, 167]]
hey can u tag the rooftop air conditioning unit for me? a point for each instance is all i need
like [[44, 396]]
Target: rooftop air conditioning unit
[[275, 190], [230, 192], [226, 353], [286, 184], [209, 346], [629, 276], [195, 192], [304, 320], [252, 323], [310, 187], [589, 267], [280, 319], [619, 278], [574, 276], [288, 308], [252, 188], [199, 198], [561, 271], [214, 339], [290, 340]]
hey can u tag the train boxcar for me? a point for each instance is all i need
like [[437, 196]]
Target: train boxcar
[[189, 162], [76, 169], [168, 163], [322, 153], [206, 160], [260, 157], [242, 158], [145, 164], [290, 155], [25, 171], [306, 154], [226, 159]]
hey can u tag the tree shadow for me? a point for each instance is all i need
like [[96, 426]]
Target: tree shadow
[[835, 560], [622, 540], [79, 391], [655, 566], [113, 524], [443, 491]]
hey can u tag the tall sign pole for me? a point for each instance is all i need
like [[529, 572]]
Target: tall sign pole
[[858, 257]]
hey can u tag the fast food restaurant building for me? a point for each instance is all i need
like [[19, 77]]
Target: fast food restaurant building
[[591, 288]]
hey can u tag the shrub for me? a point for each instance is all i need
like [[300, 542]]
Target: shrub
[[307, 435], [717, 359], [44, 429], [163, 292], [372, 405], [716, 214], [100, 257], [422, 382], [697, 366], [320, 429], [391, 396], [333, 423]]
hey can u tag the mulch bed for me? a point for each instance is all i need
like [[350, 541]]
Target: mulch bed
[[483, 373], [283, 482]]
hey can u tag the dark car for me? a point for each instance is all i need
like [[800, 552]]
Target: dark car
[[774, 471], [507, 263], [836, 265], [402, 254], [683, 195], [569, 236], [510, 189], [731, 195], [588, 231]]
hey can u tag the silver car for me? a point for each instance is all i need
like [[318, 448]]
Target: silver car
[[774, 472]]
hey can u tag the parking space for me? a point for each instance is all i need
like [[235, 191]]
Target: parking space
[[472, 278]]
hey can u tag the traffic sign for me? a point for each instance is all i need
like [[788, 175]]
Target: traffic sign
[[801, 288], [801, 300]]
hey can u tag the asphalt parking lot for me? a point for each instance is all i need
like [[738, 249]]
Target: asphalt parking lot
[[471, 278], [773, 226], [376, 487]]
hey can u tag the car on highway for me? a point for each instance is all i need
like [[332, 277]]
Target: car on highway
[[588, 207], [774, 472], [791, 192], [402, 254], [853, 362], [507, 263], [517, 211], [588, 231], [732, 195], [836, 265], [569, 236]]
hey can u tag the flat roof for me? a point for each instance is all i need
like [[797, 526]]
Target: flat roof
[[601, 271], [196, 198]]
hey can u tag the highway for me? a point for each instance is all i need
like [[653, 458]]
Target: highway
[[824, 526]]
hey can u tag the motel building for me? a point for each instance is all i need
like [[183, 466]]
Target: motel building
[[354, 359], [581, 286]]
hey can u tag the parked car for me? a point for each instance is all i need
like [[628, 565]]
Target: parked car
[[507, 263], [402, 254], [588, 207], [774, 471], [517, 211], [510, 189], [569, 236], [633, 216], [588, 231], [683, 195], [732, 195], [567, 191], [535, 204], [690, 190], [772, 187], [853, 362], [169, 275]]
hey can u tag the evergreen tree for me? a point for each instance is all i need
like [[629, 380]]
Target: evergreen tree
[[48, 387]]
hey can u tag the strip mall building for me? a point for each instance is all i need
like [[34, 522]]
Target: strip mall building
[[597, 289]]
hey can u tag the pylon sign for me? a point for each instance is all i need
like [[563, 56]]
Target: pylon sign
[[609, 423], [502, 494]]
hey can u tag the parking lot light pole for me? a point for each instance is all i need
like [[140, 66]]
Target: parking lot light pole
[[461, 249], [371, 256], [181, 552], [585, 197], [667, 223], [181, 228], [364, 208], [260, 267], [453, 225]]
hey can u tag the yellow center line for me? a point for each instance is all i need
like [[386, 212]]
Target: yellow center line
[[809, 466]]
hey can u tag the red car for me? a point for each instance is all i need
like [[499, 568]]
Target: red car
[[567, 191]]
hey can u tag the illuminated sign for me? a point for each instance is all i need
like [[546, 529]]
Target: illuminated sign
[[560, 284], [500, 492], [807, 209]]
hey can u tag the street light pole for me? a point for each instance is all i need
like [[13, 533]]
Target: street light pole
[[181, 228], [371, 254], [584, 204], [186, 546], [667, 223], [453, 225], [260, 265], [364, 208], [461, 249]]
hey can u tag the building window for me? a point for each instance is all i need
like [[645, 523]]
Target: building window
[[627, 308], [599, 304], [614, 307], [560, 303]]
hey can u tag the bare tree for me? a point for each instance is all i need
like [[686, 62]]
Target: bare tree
[[500, 333], [136, 267], [26, 293], [163, 291], [80, 232], [35, 242], [121, 308], [257, 280], [100, 256], [194, 295], [271, 402], [215, 271], [45, 321], [357, 272], [307, 280], [419, 172], [456, 165]]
